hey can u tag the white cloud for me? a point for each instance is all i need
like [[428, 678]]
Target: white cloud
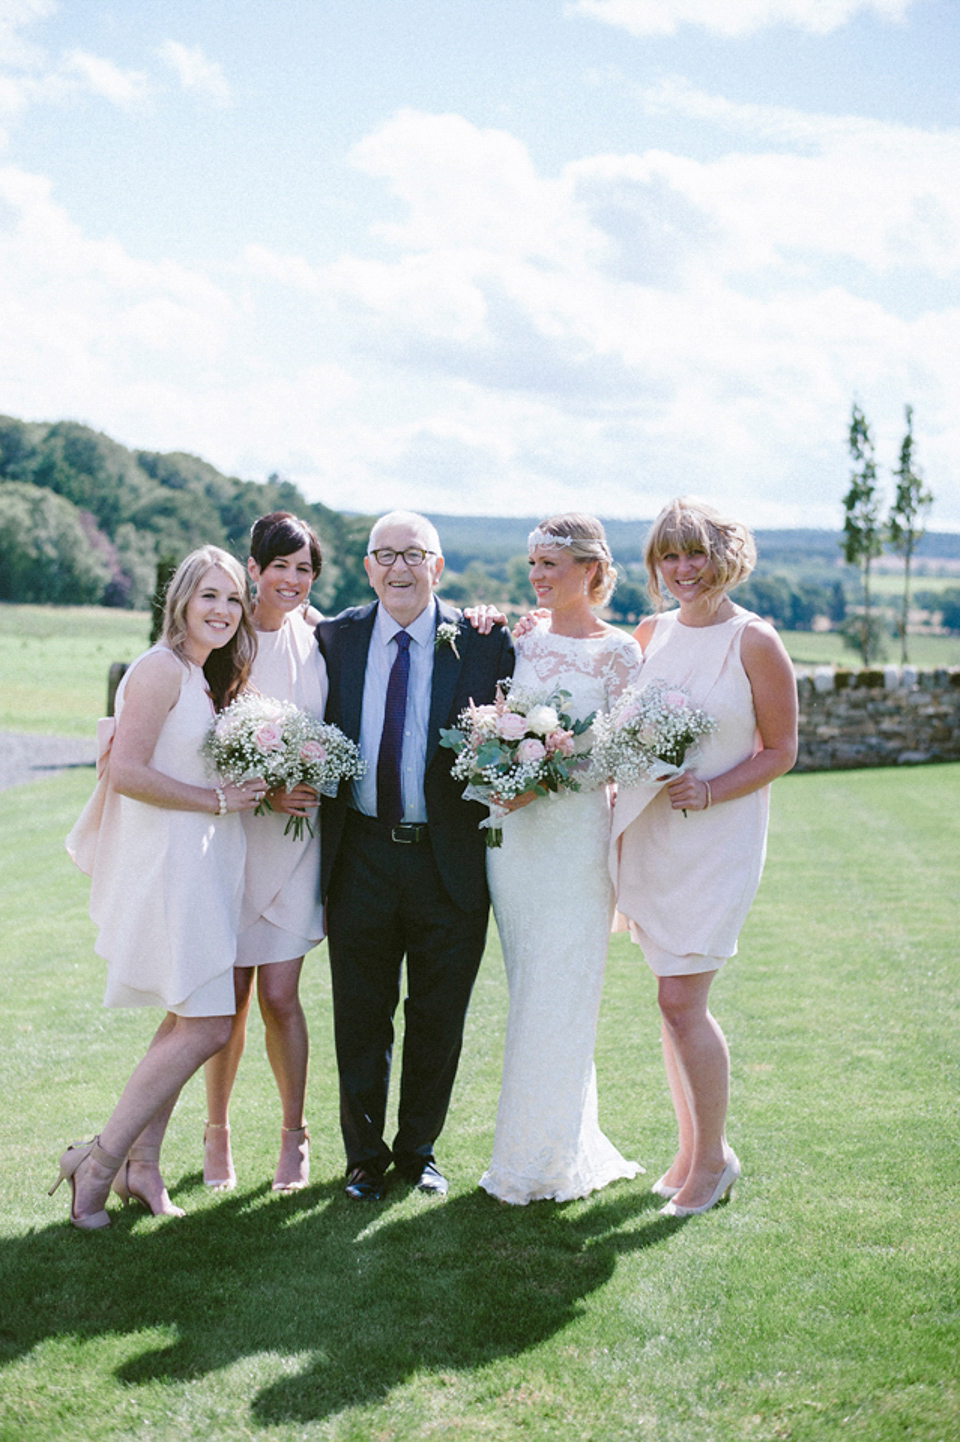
[[78, 316], [126, 88], [733, 17], [196, 72], [630, 327], [611, 322], [15, 15]]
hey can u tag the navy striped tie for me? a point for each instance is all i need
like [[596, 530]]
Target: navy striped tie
[[389, 789]]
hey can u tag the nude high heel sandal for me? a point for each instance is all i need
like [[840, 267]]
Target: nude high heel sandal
[[70, 1162], [121, 1184], [298, 1184], [218, 1184]]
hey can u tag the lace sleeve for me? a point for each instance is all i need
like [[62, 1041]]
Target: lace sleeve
[[622, 669]]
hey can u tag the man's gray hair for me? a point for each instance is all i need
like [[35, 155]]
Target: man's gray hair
[[431, 538]]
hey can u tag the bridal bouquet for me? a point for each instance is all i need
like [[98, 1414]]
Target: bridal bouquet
[[520, 742], [257, 736], [648, 733]]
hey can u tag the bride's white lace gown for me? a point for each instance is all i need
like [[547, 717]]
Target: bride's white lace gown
[[553, 901]]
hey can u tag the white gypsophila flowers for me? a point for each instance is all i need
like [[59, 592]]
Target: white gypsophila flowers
[[650, 728], [260, 736]]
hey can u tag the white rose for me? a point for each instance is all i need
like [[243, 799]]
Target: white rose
[[541, 720]]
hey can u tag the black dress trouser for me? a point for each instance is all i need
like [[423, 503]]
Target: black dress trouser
[[386, 902]]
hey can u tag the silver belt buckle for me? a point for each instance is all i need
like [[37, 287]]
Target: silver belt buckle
[[403, 840]]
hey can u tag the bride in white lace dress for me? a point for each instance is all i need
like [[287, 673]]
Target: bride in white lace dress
[[552, 895]]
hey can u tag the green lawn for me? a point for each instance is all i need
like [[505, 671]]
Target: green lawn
[[826, 648], [889, 584], [54, 661], [822, 1303]]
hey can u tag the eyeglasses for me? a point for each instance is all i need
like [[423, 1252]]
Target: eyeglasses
[[413, 556]]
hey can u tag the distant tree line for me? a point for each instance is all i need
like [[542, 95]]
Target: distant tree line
[[83, 520]]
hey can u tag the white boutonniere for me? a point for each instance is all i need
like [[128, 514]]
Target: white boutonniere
[[447, 636]]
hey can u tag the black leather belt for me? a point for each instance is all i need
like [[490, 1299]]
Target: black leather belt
[[406, 834]]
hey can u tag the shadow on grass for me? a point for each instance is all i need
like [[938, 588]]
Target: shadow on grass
[[369, 1295]]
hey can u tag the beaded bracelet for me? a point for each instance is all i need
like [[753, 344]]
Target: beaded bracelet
[[221, 800]]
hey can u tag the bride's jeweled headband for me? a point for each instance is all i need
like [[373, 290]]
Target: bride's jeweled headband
[[547, 538]]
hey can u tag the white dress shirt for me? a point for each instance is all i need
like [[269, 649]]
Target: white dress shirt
[[380, 659]]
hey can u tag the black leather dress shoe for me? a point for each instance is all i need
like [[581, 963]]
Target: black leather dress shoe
[[429, 1179], [364, 1185]]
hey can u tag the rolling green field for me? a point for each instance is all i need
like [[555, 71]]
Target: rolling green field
[[826, 648], [54, 661]]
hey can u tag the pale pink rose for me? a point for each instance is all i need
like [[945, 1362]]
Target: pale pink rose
[[560, 741], [647, 735], [510, 726], [675, 700], [531, 750], [313, 751], [629, 713], [269, 736]]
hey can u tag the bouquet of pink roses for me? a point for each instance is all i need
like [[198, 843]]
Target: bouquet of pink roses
[[648, 733], [258, 736], [520, 742]]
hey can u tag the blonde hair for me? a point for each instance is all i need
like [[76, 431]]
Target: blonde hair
[[583, 538], [686, 524], [227, 667]]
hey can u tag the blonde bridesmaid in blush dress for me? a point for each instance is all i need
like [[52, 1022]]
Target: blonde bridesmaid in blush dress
[[165, 850]]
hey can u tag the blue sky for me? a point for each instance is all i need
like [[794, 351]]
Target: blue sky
[[490, 256]]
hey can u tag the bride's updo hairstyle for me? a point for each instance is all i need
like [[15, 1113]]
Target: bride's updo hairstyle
[[685, 525], [583, 538], [280, 533], [227, 667]]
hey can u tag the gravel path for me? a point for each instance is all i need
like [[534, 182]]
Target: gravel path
[[25, 757]]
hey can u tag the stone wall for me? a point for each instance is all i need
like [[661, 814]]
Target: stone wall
[[889, 716]]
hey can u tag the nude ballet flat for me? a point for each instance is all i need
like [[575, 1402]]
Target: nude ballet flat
[[121, 1184], [218, 1184], [70, 1163], [728, 1176], [661, 1189]]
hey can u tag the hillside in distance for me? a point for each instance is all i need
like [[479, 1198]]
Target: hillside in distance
[[495, 539]]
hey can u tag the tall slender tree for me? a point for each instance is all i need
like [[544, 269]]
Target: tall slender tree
[[906, 522], [863, 538]]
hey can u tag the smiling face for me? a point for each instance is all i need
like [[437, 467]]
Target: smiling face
[[212, 614], [403, 589], [558, 580], [687, 575], [282, 585]]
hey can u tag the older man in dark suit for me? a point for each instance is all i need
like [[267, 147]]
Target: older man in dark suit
[[404, 872]]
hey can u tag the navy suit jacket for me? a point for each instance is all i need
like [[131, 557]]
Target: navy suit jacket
[[456, 839]]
